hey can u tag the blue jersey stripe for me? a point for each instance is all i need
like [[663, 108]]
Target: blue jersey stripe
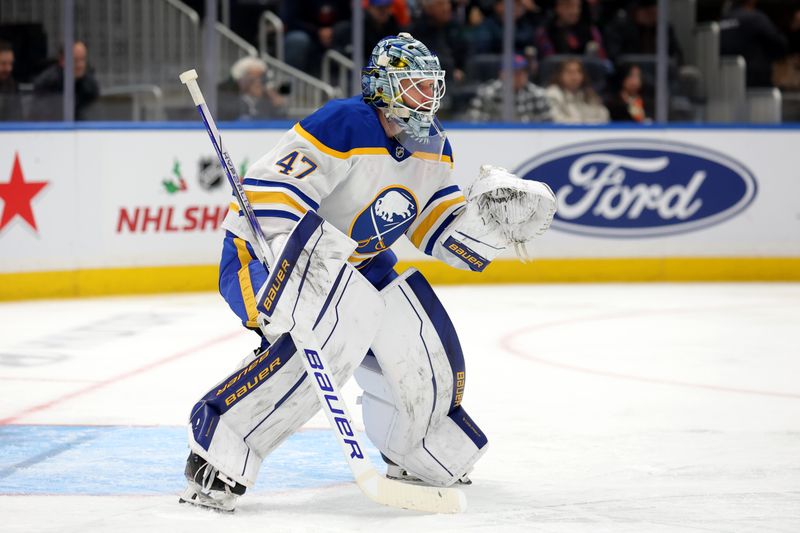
[[435, 235], [440, 193], [275, 214]]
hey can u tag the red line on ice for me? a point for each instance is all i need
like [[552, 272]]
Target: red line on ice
[[507, 342], [49, 380], [116, 379]]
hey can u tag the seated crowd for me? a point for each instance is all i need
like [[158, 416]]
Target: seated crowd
[[46, 87], [575, 60], [553, 41]]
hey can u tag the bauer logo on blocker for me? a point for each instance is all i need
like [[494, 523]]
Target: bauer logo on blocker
[[641, 188]]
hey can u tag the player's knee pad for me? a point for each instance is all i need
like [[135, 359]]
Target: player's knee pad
[[414, 385], [247, 415]]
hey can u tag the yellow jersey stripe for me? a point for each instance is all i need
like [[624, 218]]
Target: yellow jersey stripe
[[336, 153], [433, 157], [248, 296], [434, 216], [262, 197], [242, 252], [367, 150]]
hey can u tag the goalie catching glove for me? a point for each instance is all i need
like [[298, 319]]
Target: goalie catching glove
[[520, 209], [502, 210]]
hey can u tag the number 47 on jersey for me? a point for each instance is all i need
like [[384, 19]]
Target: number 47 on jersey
[[287, 165]]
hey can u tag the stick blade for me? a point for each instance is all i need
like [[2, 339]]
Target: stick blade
[[414, 497]]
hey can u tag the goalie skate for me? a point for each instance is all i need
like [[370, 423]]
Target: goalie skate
[[401, 474], [208, 487]]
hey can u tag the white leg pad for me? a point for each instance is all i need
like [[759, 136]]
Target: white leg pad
[[413, 387], [251, 412]]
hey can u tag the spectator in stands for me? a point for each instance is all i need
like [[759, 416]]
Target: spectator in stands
[[786, 73], [629, 101], [309, 25], [254, 99], [10, 108], [634, 32], [794, 33], [572, 99], [49, 86], [401, 11], [486, 33], [245, 16], [746, 31], [530, 101], [7, 82], [379, 22], [567, 32], [437, 28]]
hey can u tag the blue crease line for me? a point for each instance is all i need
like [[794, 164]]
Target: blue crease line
[[44, 456]]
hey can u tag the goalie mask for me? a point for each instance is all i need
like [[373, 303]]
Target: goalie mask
[[405, 81]]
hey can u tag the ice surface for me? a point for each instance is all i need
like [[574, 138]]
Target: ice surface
[[638, 408]]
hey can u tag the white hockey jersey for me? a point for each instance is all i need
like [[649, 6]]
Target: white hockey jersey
[[340, 162]]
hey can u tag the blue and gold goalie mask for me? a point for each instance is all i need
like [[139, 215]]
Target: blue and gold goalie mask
[[405, 81]]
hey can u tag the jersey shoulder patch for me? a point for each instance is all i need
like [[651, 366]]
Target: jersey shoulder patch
[[342, 127]]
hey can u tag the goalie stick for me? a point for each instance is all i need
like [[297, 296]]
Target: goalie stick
[[378, 488]]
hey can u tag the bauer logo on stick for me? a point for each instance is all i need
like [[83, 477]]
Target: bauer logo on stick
[[332, 402], [641, 188]]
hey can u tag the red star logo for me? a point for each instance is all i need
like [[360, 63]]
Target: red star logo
[[17, 195]]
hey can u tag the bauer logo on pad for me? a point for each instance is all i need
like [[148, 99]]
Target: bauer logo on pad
[[641, 188]]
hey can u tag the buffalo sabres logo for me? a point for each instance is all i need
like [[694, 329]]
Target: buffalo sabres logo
[[384, 220]]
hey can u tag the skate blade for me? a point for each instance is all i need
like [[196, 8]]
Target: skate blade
[[416, 481], [193, 498]]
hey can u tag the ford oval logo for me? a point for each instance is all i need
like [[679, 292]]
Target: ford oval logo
[[641, 188]]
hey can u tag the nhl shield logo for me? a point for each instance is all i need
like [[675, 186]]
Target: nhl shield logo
[[384, 220], [209, 173]]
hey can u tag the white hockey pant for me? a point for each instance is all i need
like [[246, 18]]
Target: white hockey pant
[[414, 384], [248, 414]]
